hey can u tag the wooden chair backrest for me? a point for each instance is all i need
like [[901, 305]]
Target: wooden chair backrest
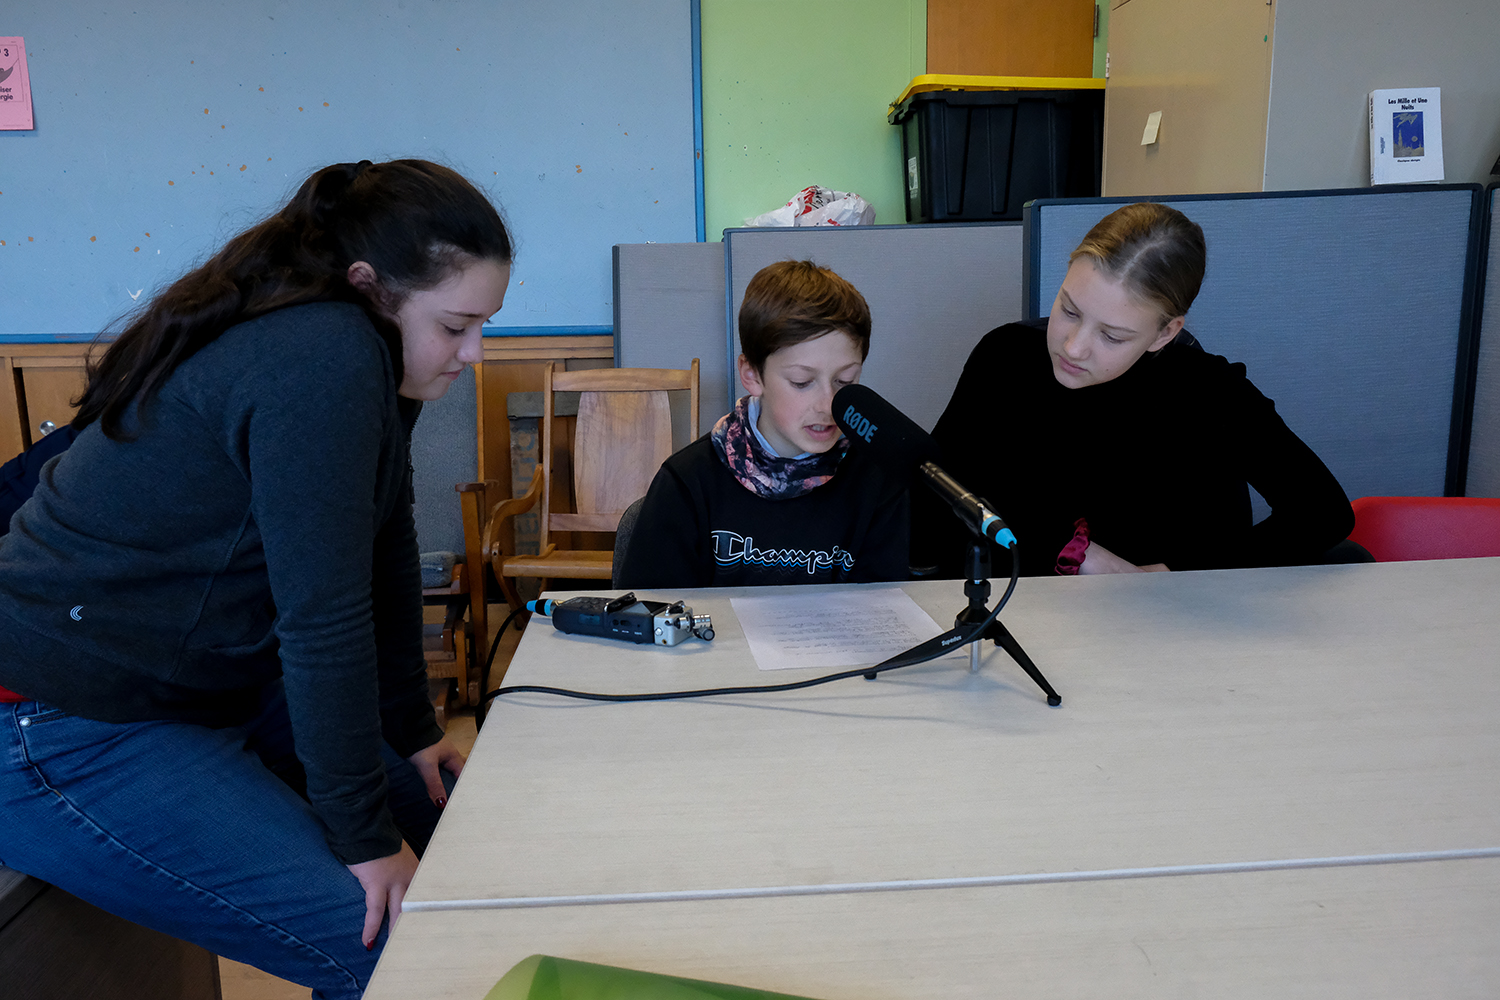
[[623, 434]]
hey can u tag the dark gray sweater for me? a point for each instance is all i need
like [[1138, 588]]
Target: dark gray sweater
[[259, 525]]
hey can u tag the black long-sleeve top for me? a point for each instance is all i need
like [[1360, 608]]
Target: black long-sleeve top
[[1157, 461], [700, 528]]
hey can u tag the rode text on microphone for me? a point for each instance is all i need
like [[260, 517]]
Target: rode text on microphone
[[905, 449]]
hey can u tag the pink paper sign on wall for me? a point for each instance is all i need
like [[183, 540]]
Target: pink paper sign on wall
[[15, 86]]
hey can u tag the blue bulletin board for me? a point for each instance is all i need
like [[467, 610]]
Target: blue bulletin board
[[164, 128]]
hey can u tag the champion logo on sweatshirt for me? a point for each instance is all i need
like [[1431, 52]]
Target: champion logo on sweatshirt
[[731, 548]]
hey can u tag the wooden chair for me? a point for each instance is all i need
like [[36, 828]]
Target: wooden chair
[[623, 434]]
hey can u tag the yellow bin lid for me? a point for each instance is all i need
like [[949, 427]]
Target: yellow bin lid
[[944, 81]]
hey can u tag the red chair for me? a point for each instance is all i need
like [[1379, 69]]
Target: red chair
[[1395, 529]]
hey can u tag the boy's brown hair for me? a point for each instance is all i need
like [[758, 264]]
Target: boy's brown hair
[[796, 300]]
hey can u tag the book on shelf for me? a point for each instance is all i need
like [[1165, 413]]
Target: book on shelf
[[1406, 135]]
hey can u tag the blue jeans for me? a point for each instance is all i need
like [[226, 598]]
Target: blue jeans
[[195, 832]]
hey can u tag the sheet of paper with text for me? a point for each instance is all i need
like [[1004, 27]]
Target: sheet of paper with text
[[15, 86], [850, 628]]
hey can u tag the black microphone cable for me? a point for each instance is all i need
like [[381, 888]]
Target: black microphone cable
[[907, 659]]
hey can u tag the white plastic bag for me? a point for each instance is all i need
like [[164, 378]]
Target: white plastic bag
[[819, 206]]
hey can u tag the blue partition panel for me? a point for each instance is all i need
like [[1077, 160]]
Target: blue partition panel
[[1484, 437], [933, 292], [1349, 308]]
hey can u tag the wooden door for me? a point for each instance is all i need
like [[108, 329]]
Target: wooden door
[[1011, 37]]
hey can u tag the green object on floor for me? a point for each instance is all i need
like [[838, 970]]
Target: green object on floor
[[542, 977]]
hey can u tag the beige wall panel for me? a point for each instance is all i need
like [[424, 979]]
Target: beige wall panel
[[1010, 37], [1207, 68]]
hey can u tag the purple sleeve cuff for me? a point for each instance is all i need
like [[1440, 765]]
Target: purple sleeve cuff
[[1071, 556]]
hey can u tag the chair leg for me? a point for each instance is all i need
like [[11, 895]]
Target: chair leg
[[440, 693], [468, 678], [456, 631], [508, 589]]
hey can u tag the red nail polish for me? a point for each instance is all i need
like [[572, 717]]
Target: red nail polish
[[441, 802], [370, 946]]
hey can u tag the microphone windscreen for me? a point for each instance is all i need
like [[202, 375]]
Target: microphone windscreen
[[892, 438]]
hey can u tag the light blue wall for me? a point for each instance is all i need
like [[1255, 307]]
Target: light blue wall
[[576, 115]]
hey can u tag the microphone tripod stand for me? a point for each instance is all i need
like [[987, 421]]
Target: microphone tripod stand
[[977, 590]]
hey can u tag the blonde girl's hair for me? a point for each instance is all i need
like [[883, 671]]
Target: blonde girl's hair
[[1156, 251]]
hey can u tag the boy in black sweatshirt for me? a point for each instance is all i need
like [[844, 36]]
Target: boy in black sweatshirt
[[772, 495]]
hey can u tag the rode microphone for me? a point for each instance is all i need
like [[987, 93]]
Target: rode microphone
[[895, 441]]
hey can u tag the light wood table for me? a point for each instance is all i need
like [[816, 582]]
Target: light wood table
[[1286, 720]]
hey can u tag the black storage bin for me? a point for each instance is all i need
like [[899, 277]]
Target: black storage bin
[[978, 156]]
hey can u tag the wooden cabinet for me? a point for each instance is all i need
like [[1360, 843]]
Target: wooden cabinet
[[53, 944], [42, 382]]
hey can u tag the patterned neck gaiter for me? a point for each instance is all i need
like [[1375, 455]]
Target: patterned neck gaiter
[[767, 475]]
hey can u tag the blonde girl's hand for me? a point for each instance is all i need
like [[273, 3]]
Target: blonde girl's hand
[[432, 761], [1099, 560], [384, 881]]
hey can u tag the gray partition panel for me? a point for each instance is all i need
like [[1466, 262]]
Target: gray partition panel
[[1484, 437], [444, 452], [669, 309], [933, 292], [1347, 308]]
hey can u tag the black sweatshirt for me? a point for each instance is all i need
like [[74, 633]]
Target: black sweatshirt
[[259, 525], [700, 528], [1157, 461]]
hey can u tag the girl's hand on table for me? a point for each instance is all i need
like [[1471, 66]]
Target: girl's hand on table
[[431, 761], [385, 881], [1099, 560]]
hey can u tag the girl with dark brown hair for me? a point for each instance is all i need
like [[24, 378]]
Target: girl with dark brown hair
[[213, 700]]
